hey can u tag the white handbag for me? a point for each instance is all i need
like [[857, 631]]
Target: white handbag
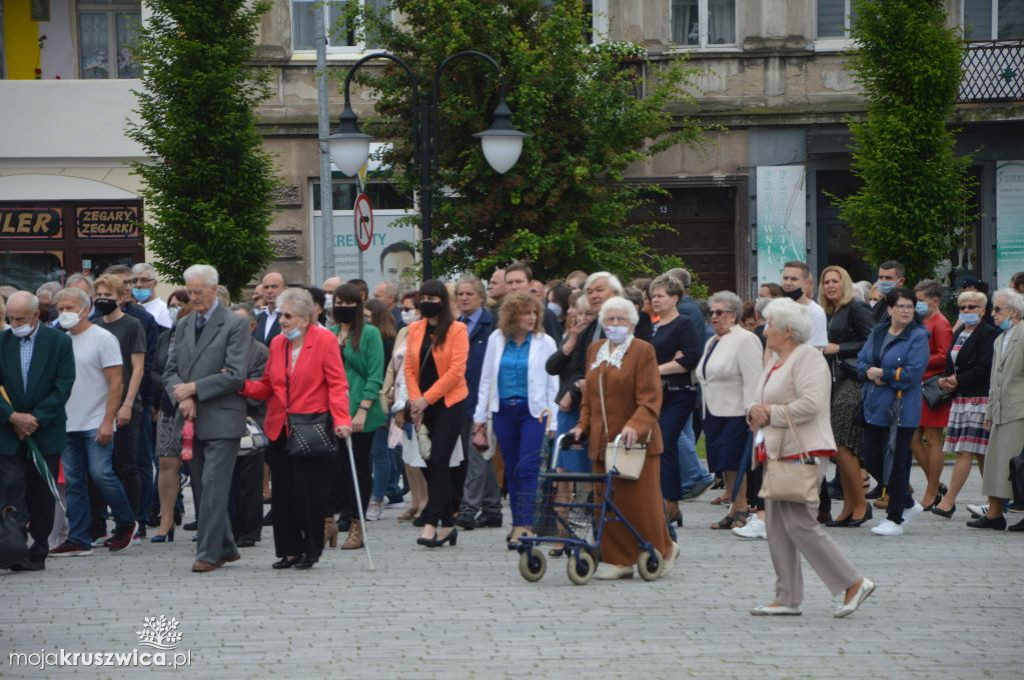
[[626, 463]]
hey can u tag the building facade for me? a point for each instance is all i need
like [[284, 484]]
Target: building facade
[[772, 75]]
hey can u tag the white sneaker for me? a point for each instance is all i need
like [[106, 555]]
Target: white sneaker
[[980, 510], [911, 513], [670, 561], [754, 528], [888, 528], [374, 511], [611, 572]]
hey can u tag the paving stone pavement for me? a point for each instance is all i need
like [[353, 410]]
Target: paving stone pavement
[[949, 604]]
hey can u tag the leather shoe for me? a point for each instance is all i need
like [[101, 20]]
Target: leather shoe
[[488, 522], [984, 522], [844, 610], [305, 563], [1019, 526], [465, 521], [40, 565], [246, 543], [776, 610], [285, 563], [201, 566], [233, 557], [190, 526]]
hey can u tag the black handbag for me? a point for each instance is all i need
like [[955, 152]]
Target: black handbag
[[310, 435], [934, 395], [1017, 478], [13, 543]]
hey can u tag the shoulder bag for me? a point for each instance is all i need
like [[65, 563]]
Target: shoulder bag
[[790, 481], [310, 435], [934, 395], [254, 439], [626, 463], [13, 546]]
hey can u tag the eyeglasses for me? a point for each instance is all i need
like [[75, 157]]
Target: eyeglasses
[[999, 310], [903, 308], [136, 282], [964, 308], [719, 312]]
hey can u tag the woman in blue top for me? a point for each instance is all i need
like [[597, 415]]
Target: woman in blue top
[[890, 364]]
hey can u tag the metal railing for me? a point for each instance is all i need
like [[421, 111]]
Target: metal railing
[[993, 72]]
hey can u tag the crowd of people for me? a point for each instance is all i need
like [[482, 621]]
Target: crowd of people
[[443, 396]]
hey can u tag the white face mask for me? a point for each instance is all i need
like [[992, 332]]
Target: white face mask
[[410, 316], [68, 320], [173, 312], [555, 308], [24, 330], [617, 334]]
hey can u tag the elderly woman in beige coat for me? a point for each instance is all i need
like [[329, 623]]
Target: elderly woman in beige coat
[[791, 410]]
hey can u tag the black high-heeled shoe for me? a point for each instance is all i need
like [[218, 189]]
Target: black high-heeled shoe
[[452, 537], [845, 522], [286, 562], [163, 538], [428, 541], [305, 563], [854, 523], [677, 518]]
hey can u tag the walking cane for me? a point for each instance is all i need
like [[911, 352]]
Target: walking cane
[[359, 501]]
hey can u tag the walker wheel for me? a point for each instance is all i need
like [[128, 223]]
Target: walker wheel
[[532, 565], [649, 564], [581, 569]]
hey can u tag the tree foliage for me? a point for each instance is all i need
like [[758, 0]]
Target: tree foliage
[[564, 205], [208, 187], [917, 191]]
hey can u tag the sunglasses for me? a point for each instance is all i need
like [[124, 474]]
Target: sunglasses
[[964, 308], [719, 312]]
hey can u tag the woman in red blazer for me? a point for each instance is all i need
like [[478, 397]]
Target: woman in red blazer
[[304, 375], [435, 377]]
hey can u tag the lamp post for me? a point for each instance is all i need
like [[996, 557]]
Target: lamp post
[[501, 143]]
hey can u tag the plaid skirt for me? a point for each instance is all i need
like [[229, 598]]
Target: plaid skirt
[[965, 432]]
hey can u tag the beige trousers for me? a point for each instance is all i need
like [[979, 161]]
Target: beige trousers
[[793, 530]]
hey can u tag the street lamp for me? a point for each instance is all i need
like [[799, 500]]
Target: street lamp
[[501, 143]]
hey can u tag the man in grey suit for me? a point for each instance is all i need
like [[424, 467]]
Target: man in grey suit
[[206, 366]]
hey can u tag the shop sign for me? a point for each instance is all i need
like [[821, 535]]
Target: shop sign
[[30, 223], [781, 219], [118, 221]]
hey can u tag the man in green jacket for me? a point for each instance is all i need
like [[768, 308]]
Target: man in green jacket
[[37, 370]]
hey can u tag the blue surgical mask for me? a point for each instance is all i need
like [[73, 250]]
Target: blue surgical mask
[[1007, 324], [885, 287], [293, 334], [617, 334], [969, 318], [921, 308], [141, 294], [173, 312]]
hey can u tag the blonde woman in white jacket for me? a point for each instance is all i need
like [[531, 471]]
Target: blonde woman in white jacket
[[518, 395]]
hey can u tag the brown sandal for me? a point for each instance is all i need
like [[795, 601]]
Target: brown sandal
[[720, 500], [733, 521]]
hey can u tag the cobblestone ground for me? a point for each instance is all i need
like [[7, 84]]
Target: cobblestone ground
[[948, 605]]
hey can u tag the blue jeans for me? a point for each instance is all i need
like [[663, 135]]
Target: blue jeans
[[520, 436], [84, 455], [691, 471], [385, 474]]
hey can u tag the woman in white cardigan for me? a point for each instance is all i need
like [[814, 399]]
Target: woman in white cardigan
[[518, 394], [728, 373], [791, 409]]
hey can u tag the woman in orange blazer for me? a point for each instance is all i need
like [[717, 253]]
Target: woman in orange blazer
[[304, 374], [435, 376]]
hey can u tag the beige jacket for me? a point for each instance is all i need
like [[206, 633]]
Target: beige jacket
[[1006, 389], [803, 386], [729, 376]]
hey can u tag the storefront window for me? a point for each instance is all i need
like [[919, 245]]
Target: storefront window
[[29, 270]]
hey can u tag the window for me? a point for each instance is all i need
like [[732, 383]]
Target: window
[[598, 12], [833, 19], [340, 38], [107, 32], [704, 23], [993, 19]]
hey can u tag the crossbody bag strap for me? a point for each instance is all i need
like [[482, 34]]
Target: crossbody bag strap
[[796, 435], [604, 414]]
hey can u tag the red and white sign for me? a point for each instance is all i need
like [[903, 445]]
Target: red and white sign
[[363, 222]]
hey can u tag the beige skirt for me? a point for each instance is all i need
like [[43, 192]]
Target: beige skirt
[[1004, 443]]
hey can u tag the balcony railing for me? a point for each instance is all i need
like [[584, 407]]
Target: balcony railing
[[993, 72]]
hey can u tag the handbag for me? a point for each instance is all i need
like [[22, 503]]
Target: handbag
[[254, 438], [1017, 477], [487, 452], [935, 396], [13, 543], [628, 463], [310, 435], [790, 481]]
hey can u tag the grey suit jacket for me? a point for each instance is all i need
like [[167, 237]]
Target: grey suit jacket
[[218, 365], [1006, 389]]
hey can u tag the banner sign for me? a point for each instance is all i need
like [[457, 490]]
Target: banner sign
[[30, 223], [118, 221], [1009, 221], [390, 255], [781, 219]]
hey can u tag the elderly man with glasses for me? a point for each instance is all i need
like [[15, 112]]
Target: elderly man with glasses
[[143, 282]]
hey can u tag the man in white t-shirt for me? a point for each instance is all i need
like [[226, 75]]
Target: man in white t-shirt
[[795, 277], [91, 411], [143, 284]]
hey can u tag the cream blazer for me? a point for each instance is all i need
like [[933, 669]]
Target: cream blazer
[[803, 386], [1006, 389], [728, 378]]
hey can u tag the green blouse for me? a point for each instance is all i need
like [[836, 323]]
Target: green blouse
[[364, 369]]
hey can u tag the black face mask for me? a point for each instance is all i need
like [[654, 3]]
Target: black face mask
[[430, 310], [794, 294], [344, 314], [105, 305]]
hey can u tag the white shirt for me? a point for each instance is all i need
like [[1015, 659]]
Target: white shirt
[[158, 308], [271, 318], [542, 387], [95, 349], [819, 325]]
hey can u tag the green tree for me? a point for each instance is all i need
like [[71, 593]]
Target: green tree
[[208, 186], [916, 190], [564, 205]]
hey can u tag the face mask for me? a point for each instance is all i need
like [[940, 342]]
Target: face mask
[[142, 294], [921, 308], [555, 308], [794, 294], [24, 330], [173, 312], [293, 334], [68, 320], [872, 303], [430, 309], [885, 287], [105, 305], [410, 316], [328, 301], [617, 334], [1007, 324], [969, 319], [344, 314]]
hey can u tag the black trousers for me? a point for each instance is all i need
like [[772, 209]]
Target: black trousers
[[362, 448], [21, 486], [302, 493], [876, 439], [245, 504], [444, 424]]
